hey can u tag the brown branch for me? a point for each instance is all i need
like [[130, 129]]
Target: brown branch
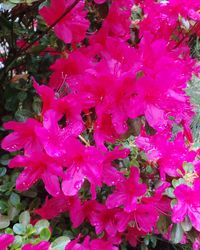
[[84, 140], [52, 25], [188, 34], [22, 50]]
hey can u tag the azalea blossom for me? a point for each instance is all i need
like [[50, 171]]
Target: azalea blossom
[[24, 136], [6, 240], [43, 245], [38, 166], [127, 192], [96, 244], [81, 162], [73, 26], [170, 154], [188, 204]]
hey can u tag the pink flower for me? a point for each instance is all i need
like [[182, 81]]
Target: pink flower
[[74, 245], [54, 108], [110, 106], [100, 1], [53, 207], [43, 245], [99, 244], [104, 131], [73, 26], [196, 244], [36, 166], [79, 213], [81, 162], [24, 136], [69, 69], [53, 137], [105, 220], [157, 99], [184, 7], [70, 107], [96, 244], [160, 202], [158, 20], [170, 154], [145, 217], [6, 240], [46, 94], [111, 175], [119, 10], [133, 235], [127, 192], [188, 204]]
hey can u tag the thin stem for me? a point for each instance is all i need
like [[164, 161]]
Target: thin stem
[[22, 50], [84, 140], [189, 33], [52, 25]]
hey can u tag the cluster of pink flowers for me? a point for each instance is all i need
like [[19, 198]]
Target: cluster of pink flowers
[[90, 97]]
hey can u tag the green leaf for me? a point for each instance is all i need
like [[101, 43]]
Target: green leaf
[[12, 212], [195, 146], [45, 234], [7, 6], [149, 169], [15, 1], [29, 193], [14, 199], [153, 241], [37, 105], [146, 240], [41, 224], [37, 49], [3, 171], [22, 114], [4, 221], [5, 22], [45, 3], [8, 230], [176, 183], [60, 243], [170, 192], [22, 96], [30, 229], [188, 167], [11, 103], [17, 243], [143, 247], [186, 224], [5, 187], [68, 234], [177, 233], [25, 218], [19, 228], [163, 224], [3, 206], [173, 203]]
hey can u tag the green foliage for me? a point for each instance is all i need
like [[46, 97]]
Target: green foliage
[[26, 232], [60, 243], [177, 233], [194, 92]]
